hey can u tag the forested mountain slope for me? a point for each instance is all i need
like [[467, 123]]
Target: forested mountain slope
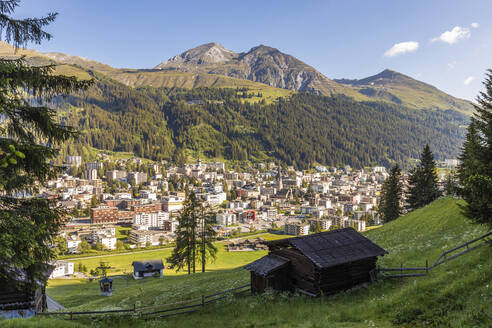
[[301, 130]]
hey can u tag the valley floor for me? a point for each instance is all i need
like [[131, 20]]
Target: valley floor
[[455, 294]]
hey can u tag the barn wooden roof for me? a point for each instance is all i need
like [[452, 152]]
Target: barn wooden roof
[[327, 249], [267, 264]]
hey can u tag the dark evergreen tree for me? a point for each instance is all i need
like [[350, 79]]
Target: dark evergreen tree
[[31, 135], [450, 184], [390, 207], [475, 170], [423, 181]]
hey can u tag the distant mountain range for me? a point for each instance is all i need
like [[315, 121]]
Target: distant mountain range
[[212, 65], [260, 105]]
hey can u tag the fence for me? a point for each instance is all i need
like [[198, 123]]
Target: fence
[[163, 310], [463, 249]]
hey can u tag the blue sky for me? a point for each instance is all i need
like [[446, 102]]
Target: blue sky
[[433, 41]]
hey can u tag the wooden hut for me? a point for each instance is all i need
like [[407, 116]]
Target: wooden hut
[[322, 263], [20, 296]]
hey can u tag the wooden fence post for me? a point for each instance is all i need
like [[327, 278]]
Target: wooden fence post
[[401, 271], [71, 315], [203, 300], [134, 307], [426, 266]]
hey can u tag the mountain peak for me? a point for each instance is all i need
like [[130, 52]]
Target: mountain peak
[[208, 53]]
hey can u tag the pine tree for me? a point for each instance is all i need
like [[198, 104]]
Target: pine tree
[[390, 203], [475, 170], [30, 138], [423, 181]]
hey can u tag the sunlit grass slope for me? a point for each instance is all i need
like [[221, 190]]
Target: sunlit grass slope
[[455, 294]]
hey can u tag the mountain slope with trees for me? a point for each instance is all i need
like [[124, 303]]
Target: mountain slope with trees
[[302, 130]]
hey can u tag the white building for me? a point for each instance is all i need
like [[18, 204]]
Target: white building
[[226, 219], [147, 194], [108, 242], [172, 203], [151, 220], [215, 199], [62, 268], [296, 229]]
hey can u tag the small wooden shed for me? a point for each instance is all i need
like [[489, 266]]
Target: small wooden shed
[[322, 263], [106, 286]]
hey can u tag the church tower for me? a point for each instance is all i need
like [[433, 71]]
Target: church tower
[[280, 184]]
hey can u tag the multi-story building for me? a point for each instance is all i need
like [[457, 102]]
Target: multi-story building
[[74, 160], [104, 214], [296, 229], [137, 177], [90, 174], [151, 220], [323, 224], [226, 219], [94, 166], [146, 208], [116, 175], [172, 203]]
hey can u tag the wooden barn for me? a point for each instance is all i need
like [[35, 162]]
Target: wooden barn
[[322, 263]]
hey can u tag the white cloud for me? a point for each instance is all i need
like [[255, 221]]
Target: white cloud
[[475, 25], [469, 80], [453, 36], [401, 48]]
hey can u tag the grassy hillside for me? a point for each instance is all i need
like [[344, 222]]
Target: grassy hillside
[[455, 294], [391, 86]]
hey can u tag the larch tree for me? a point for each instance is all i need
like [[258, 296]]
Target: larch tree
[[475, 170], [206, 236], [423, 182], [184, 252], [390, 207], [31, 135]]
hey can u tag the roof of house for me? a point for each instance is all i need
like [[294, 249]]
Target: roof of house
[[330, 248], [144, 265], [267, 264]]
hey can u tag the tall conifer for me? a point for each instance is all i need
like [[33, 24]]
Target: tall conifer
[[475, 170], [30, 137], [390, 203], [423, 181]]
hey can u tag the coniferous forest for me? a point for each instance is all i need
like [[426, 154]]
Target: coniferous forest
[[302, 130]]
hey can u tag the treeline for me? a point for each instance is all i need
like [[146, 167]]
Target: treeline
[[302, 130]]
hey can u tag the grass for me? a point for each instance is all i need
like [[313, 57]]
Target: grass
[[455, 294]]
